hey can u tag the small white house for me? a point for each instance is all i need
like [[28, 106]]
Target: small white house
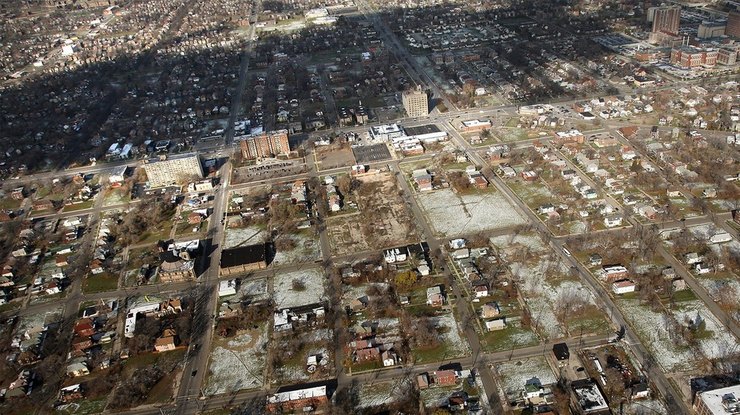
[[226, 288], [693, 258], [623, 287], [494, 325], [612, 221]]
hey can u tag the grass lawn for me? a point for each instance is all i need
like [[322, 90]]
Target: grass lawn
[[13, 305], [684, 295], [162, 391], [154, 236], [434, 354], [9, 203], [362, 367], [99, 283], [507, 339], [79, 206]]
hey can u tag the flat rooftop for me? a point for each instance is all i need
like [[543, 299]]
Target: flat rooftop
[[422, 129]]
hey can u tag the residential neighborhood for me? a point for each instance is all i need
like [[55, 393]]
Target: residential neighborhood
[[364, 207]]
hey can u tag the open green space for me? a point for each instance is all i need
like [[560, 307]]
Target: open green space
[[100, 283]]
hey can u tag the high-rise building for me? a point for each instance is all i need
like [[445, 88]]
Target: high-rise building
[[667, 19], [173, 170], [265, 145], [733, 24], [415, 102]]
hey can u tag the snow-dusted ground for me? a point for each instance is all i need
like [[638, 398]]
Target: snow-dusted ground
[[306, 250], [653, 330], [286, 297], [543, 298], [523, 240], [437, 396], [721, 343], [515, 374], [456, 345], [237, 363], [244, 236], [646, 407], [452, 214], [706, 231], [377, 394], [253, 289], [352, 292]]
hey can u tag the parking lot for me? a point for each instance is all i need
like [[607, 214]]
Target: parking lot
[[371, 153]]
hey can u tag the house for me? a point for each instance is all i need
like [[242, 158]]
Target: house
[[61, 260], [595, 260], [693, 258], [561, 352], [702, 268], [678, 284], [96, 267], [490, 310], [371, 353], [423, 381], [611, 273], [84, 328], [495, 325], [166, 342], [612, 220], [389, 358], [77, 369], [42, 204], [81, 343], [17, 193], [623, 287], [226, 288], [480, 290], [546, 208], [640, 390], [444, 377], [117, 176], [435, 297], [358, 304], [457, 401]]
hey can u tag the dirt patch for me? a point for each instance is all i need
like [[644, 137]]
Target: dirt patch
[[384, 219]]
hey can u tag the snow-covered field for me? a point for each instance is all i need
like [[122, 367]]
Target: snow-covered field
[[515, 374], [653, 329], [244, 236], [237, 363], [543, 297], [306, 249], [513, 242], [376, 394], [352, 292], [452, 214], [456, 345], [721, 343], [436, 397], [313, 292]]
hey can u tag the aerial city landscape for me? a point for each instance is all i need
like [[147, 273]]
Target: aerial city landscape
[[370, 207]]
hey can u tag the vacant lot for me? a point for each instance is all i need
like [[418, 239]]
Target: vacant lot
[[453, 214], [384, 220]]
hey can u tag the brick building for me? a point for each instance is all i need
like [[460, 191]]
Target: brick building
[[269, 144]]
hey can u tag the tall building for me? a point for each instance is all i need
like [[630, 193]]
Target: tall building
[[265, 145], [415, 102], [710, 29], [733, 24], [667, 19], [724, 401], [173, 170]]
